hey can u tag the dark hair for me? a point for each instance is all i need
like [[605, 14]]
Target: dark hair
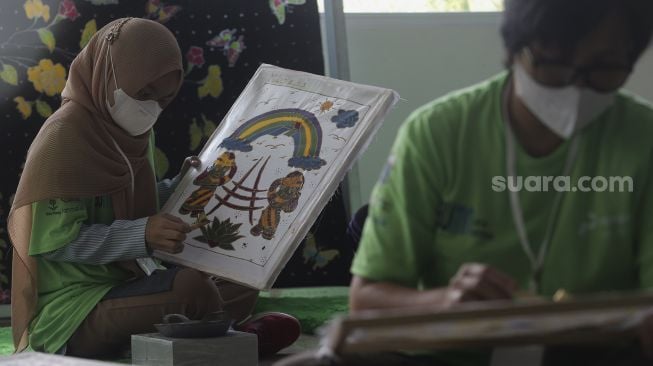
[[564, 23]]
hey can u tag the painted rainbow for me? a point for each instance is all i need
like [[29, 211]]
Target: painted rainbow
[[302, 126]]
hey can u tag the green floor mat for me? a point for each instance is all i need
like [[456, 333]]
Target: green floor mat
[[312, 306], [6, 343]]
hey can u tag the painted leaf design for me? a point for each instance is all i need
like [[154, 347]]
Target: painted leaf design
[[212, 85], [9, 74], [220, 234], [47, 38], [43, 108], [161, 163], [23, 106], [279, 10], [195, 133], [209, 127], [89, 30]]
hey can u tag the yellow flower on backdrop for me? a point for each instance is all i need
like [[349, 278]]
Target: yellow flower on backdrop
[[47, 77], [36, 9], [212, 85], [24, 107]]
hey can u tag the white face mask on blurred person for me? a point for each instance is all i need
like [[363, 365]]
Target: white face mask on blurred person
[[563, 110], [134, 116]]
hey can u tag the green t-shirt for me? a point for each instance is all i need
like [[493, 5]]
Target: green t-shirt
[[68, 291], [435, 208]]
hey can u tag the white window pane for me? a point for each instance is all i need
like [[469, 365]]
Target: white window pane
[[417, 6]]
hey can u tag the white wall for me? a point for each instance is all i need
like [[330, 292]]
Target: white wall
[[424, 56]]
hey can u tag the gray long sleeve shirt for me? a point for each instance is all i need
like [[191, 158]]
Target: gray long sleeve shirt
[[102, 244]]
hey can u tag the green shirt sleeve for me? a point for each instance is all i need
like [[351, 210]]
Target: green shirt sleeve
[[399, 231], [55, 223]]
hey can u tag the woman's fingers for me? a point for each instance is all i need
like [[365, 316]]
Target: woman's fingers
[[477, 281], [166, 233], [191, 161]]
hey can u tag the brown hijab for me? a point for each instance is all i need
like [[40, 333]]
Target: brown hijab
[[74, 156]]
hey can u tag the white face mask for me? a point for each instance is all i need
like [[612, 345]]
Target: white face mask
[[563, 110], [134, 116]]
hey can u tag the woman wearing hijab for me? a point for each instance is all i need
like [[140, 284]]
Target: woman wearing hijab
[[84, 219]]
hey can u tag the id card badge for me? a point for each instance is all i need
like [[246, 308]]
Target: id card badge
[[148, 265]]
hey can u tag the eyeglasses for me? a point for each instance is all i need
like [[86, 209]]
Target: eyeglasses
[[603, 78]]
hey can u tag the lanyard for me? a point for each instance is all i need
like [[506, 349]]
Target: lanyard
[[129, 165], [537, 262], [147, 264]]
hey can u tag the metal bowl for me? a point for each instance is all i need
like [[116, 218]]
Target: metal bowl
[[179, 326]]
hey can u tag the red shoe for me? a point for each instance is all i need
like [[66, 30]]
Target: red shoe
[[275, 331]]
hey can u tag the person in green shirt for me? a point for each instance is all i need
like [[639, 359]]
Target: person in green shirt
[[85, 220], [536, 180]]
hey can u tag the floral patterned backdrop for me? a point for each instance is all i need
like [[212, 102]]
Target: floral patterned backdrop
[[223, 42]]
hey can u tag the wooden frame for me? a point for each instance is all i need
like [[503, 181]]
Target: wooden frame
[[592, 319]]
